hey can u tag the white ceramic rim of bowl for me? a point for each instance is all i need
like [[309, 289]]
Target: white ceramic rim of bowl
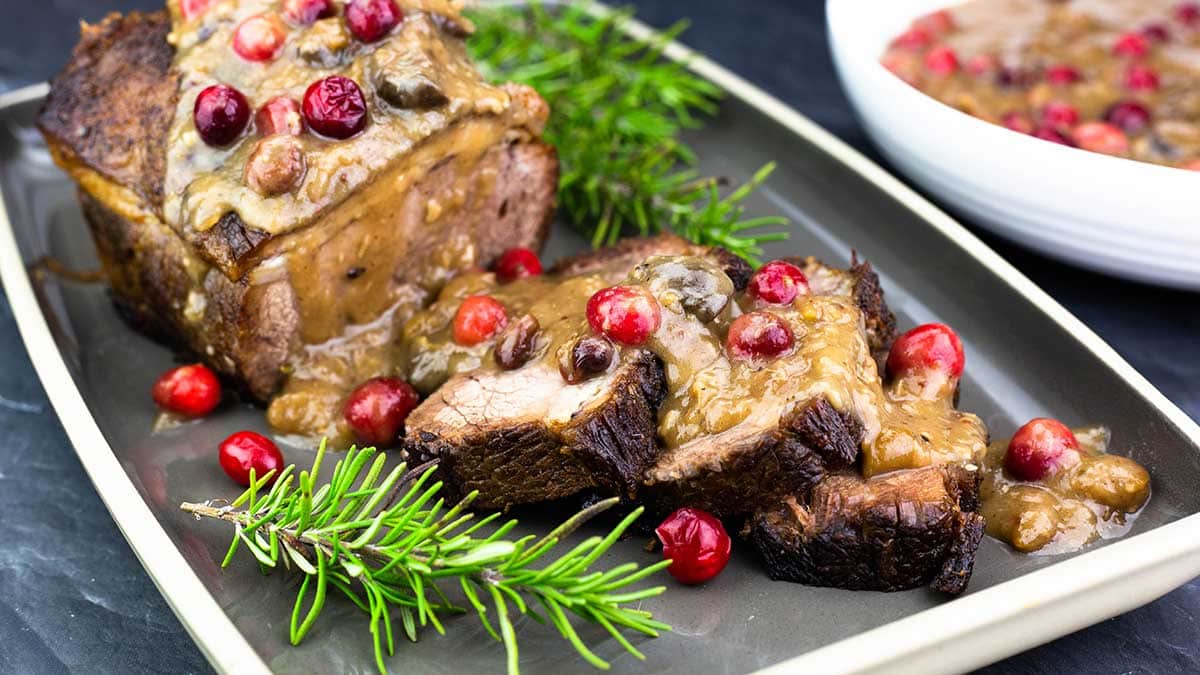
[[1054, 180]]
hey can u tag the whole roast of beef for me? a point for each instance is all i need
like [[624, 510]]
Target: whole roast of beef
[[248, 301], [546, 409]]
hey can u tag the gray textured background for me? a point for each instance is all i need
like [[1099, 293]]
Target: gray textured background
[[74, 598]]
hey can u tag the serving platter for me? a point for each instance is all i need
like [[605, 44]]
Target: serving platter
[[1026, 356]]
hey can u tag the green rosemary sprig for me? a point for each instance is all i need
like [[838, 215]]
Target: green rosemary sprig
[[617, 110], [390, 545]]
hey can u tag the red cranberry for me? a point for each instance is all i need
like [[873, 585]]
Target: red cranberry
[[1131, 44], [280, 115], [1014, 76], [220, 114], [982, 64], [335, 107], [517, 263], [194, 8], [305, 12], [1188, 13], [937, 23], [941, 60], [1063, 74], [625, 314], [1040, 449], [376, 410], [247, 450], [933, 346], [1059, 115], [1129, 116], [758, 335], [370, 20], [778, 283], [696, 544], [259, 38], [1141, 77], [1019, 122], [1156, 32], [1101, 137], [903, 65], [913, 39], [193, 391], [479, 317], [1054, 136]]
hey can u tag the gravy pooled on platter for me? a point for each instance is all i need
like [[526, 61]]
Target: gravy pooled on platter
[[1087, 495]]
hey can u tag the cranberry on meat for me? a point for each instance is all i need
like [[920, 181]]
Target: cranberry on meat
[[933, 346], [1059, 115], [1140, 77], [1131, 44], [1040, 449], [246, 450], [626, 314], [696, 544], [778, 283], [259, 38], [479, 317], [192, 391], [280, 115], [221, 114], [758, 335], [517, 263], [305, 12], [335, 107], [370, 20], [377, 409]]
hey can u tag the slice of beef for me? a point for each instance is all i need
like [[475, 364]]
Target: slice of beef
[[794, 442], [253, 305], [528, 435], [892, 532]]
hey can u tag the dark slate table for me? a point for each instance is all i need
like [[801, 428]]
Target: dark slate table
[[74, 598]]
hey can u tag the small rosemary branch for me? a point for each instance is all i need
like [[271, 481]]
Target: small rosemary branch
[[390, 545], [617, 110]]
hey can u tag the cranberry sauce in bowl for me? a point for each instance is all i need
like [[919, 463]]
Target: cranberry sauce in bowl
[[1119, 77]]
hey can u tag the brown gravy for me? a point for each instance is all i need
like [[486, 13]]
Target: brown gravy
[[1099, 498]]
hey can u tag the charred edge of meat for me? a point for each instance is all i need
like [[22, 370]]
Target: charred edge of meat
[[620, 441], [229, 243], [868, 294], [608, 448], [737, 269], [816, 440], [851, 544], [97, 108]]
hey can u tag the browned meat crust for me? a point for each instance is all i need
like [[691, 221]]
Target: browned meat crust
[[111, 107], [892, 532], [489, 432], [726, 477], [604, 447], [106, 120]]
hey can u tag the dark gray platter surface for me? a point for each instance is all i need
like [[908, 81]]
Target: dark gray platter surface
[[1020, 365]]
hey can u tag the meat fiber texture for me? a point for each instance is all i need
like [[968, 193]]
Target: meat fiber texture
[[891, 532], [526, 436], [106, 121]]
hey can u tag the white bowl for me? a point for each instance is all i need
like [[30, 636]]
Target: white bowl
[[1130, 219]]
